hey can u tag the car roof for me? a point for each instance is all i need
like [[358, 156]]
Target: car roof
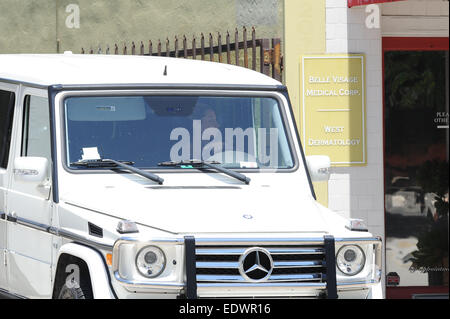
[[90, 69]]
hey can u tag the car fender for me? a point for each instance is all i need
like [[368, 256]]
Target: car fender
[[97, 271]]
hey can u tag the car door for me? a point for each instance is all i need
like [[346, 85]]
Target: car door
[[8, 94], [29, 204]]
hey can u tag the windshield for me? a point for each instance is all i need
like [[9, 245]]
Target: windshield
[[235, 131]]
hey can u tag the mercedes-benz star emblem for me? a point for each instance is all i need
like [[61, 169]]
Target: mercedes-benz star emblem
[[256, 264]]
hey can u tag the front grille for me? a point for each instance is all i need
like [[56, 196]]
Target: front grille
[[291, 264]]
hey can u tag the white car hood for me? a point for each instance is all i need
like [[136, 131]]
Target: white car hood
[[205, 209]]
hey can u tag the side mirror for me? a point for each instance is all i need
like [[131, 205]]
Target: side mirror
[[319, 167], [31, 169]]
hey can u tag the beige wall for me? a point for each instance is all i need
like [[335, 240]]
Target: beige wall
[[32, 26], [305, 33]]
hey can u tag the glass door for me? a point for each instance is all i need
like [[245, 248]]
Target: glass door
[[416, 172]]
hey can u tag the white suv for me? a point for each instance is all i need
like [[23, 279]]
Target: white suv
[[146, 177]]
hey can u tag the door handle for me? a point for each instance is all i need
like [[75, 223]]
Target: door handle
[[11, 217]]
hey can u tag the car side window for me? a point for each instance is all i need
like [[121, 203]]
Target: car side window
[[7, 100], [36, 128]]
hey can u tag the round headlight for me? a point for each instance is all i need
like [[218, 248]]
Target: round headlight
[[150, 261], [350, 260]]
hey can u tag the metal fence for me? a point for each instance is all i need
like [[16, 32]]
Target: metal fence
[[263, 55]]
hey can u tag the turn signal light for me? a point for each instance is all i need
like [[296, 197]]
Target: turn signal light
[[127, 227], [109, 259], [356, 225]]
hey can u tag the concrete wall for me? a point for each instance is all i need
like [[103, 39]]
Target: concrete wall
[[357, 192], [33, 26], [27, 26]]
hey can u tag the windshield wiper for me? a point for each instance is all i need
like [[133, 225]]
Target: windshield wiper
[[198, 164], [109, 163]]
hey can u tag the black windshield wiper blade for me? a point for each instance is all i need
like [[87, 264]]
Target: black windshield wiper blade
[[208, 164], [109, 163]]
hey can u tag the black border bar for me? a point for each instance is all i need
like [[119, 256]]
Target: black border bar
[[51, 104], [191, 273], [330, 261]]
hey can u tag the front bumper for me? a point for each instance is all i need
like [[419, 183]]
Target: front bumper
[[327, 285]]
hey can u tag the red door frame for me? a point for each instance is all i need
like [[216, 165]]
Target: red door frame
[[410, 44]]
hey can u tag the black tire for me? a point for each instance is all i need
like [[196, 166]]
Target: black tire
[[71, 293]]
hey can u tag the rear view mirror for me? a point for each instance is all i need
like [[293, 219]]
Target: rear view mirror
[[31, 169], [319, 167]]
